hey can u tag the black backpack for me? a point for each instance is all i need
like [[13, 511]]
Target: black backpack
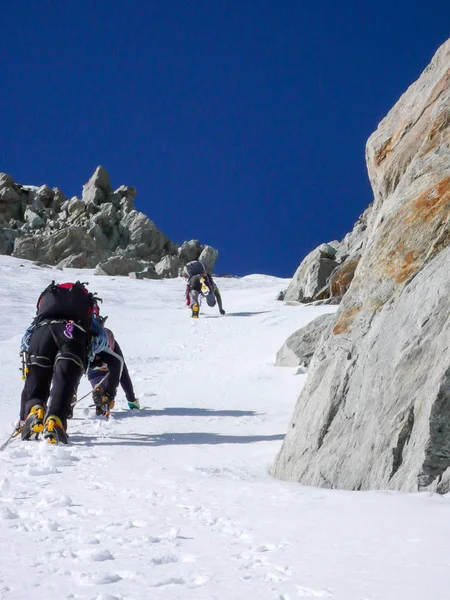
[[68, 301], [194, 267]]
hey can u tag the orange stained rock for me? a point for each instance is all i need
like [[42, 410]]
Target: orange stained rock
[[389, 144], [341, 282], [346, 319]]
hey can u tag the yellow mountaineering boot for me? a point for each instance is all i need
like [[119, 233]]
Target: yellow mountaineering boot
[[195, 310], [54, 431], [34, 423], [103, 401]]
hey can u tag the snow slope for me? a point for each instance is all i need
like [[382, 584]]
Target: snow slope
[[175, 501]]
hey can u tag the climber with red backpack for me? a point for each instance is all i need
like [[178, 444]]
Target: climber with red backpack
[[55, 351], [200, 284]]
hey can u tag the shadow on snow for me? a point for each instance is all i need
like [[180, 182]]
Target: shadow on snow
[[174, 439], [247, 314], [183, 412]]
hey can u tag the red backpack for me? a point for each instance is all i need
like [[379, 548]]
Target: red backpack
[[69, 301]]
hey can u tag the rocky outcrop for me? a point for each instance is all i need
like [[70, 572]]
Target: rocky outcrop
[[299, 348], [101, 228], [312, 275], [375, 411]]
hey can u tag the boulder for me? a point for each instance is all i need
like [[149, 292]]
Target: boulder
[[143, 231], [6, 181], [26, 247], [299, 348], [339, 281], [44, 195], [208, 257], [107, 216], [310, 277], [375, 410], [74, 261], [7, 237], [329, 250], [119, 265], [147, 273], [12, 200], [96, 233], [76, 206], [33, 220], [190, 251], [98, 187], [168, 266], [58, 199], [125, 191]]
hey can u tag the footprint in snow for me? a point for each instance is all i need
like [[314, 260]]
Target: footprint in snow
[[51, 525], [133, 524], [310, 593], [96, 555], [171, 581], [7, 514], [52, 500], [84, 578], [164, 560], [5, 488], [37, 471], [265, 547], [22, 452], [199, 581]]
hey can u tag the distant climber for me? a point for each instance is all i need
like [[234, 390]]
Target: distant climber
[[200, 284]]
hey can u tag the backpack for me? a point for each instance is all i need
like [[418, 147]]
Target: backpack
[[69, 301], [195, 267]]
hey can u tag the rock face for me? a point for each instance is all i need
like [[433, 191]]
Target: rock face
[[375, 411], [102, 228], [299, 348]]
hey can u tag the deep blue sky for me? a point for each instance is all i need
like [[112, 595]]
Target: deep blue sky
[[241, 123]]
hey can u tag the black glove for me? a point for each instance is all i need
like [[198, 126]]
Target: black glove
[[222, 312]]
